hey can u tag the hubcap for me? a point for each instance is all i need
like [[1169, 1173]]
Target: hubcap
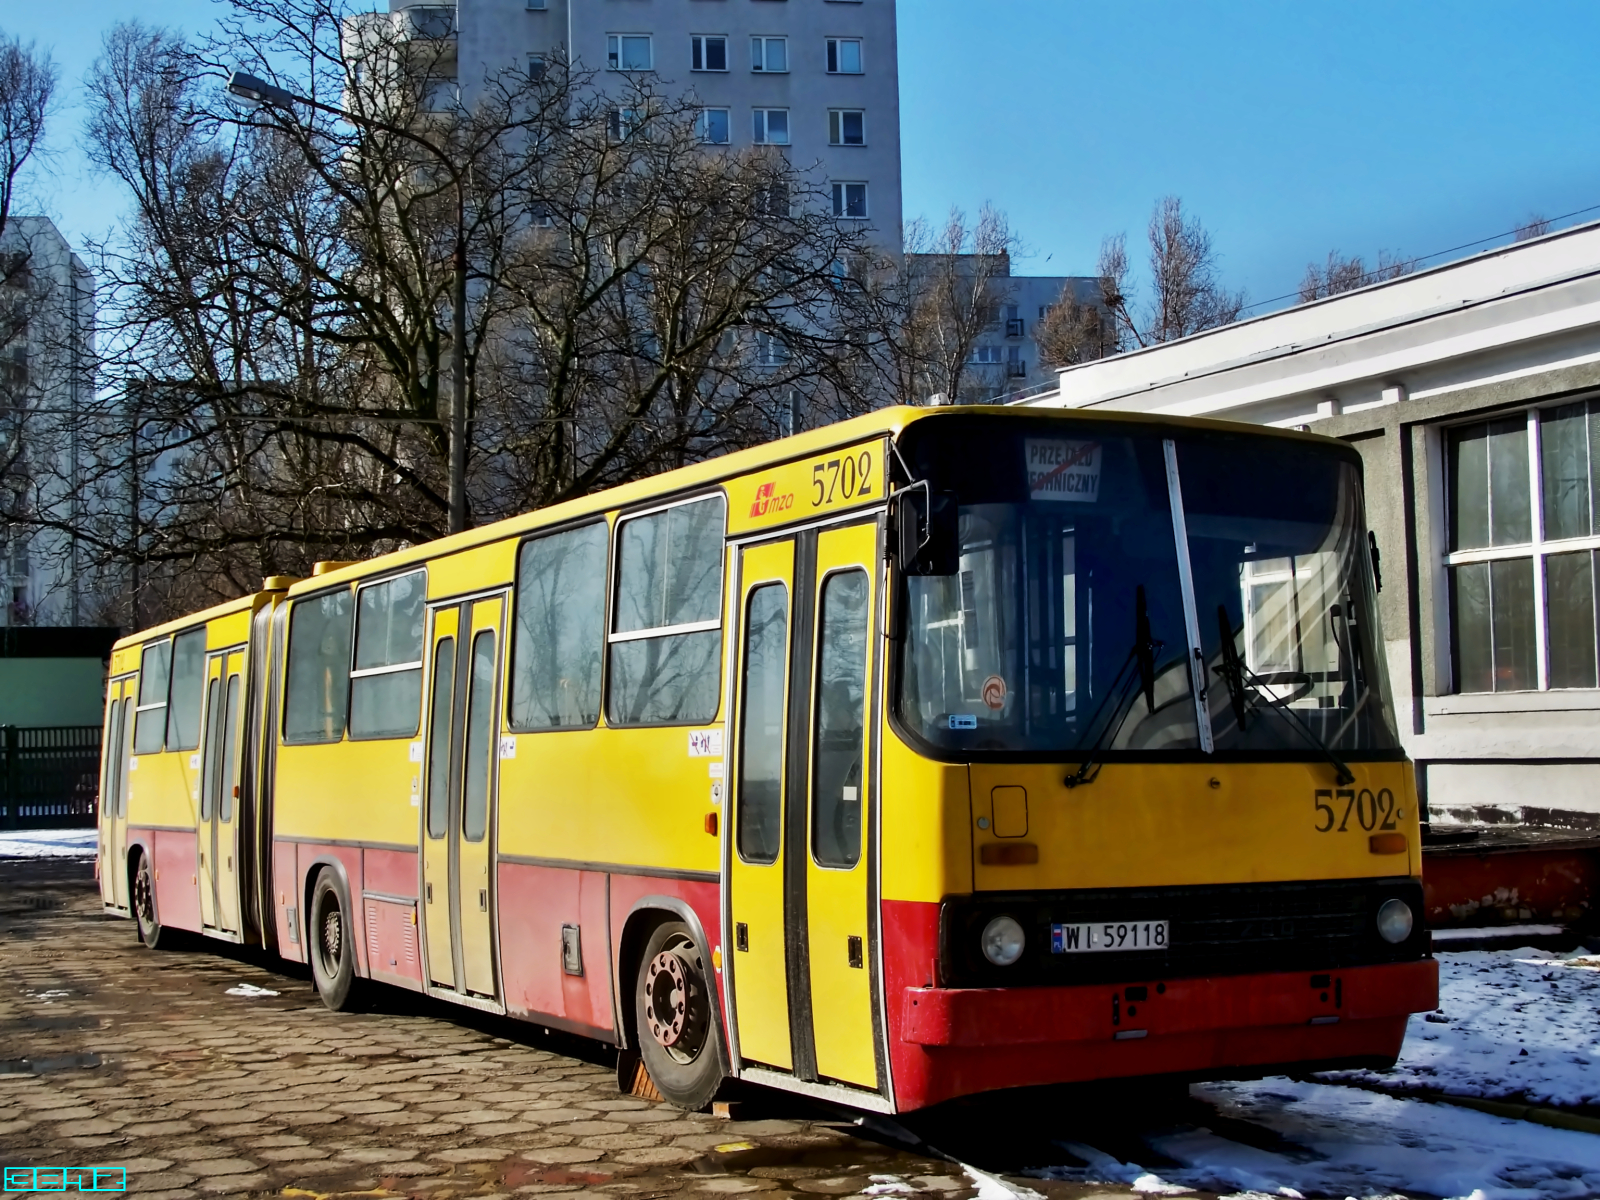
[[332, 939], [141, 895], [675, 1002]]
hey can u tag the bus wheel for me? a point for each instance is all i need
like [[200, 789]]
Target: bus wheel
[[144, 906], [675, 1020], [333, 951]]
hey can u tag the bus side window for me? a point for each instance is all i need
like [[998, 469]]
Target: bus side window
[[150, 716], [188, 688], [561, 604], [317, 694], [837, 777], [386, 685], [760, 796], [666, 644]]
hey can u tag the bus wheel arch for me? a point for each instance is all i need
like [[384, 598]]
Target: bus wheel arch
[[666, 967], [329, 928], [142, 895]]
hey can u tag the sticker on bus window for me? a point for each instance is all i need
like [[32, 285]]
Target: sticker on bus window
[[416, 751], [963, 721], [1059, 469], [508, 747], [705, 743]]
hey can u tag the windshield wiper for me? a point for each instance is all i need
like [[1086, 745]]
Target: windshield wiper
[[1137, 670], [1235, 674]]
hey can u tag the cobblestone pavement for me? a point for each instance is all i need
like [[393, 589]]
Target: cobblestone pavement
[[204, 1072]]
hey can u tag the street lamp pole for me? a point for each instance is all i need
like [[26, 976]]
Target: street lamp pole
[[251, 87]]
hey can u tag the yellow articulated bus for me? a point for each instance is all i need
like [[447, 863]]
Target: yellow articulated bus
[[931, 752]]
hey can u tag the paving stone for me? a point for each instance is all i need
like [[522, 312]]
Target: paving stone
[[291, 1153], [280, 1139], [565, 1154], [579, 1128], [467, 1155], [657, 1156], [200, 1152], [619, 1141], [156, 1129], [230, 1184], [158, 1180]]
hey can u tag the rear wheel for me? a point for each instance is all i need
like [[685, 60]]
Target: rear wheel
[[675, 1018], [144, 908], [332, 946]]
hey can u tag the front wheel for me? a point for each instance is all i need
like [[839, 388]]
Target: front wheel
[[676, 1019], [144, 908], [332, 946]]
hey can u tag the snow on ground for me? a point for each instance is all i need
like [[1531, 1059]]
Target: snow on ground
[[48, 843], [1320, 1139], [1511, 1025]]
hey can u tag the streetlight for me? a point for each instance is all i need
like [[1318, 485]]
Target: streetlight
[[259, 90]]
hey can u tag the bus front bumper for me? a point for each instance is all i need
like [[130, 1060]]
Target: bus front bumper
[[972, 1039]]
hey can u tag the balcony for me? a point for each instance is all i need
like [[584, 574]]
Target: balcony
[[1016, 368], [426, 22], [1014, 327]]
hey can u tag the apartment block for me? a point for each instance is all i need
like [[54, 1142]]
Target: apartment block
[[816, 77]]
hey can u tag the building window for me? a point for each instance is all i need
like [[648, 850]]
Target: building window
[[628, 51], [537, 5], [769, 54], [850, 200], [536, 67], [771, 350], [772, 126], [986, 355], [713, 126], [1523, 494], [708, 53], [847, 127], [621, 123], [844, 56]]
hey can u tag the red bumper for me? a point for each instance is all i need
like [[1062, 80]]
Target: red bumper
[[956, 1041]]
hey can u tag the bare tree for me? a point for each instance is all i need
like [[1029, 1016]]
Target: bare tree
[[1189, 297], [939, 299], [283, 307], [27, 88], [1534, 226], [1340, 274], [1079, 329]]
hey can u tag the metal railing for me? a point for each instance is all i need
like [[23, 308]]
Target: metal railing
[[1014, 327], [49, 776]]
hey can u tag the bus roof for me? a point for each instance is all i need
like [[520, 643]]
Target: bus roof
[[188, 621]]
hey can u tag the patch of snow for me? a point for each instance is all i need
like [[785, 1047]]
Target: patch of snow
[[1497, 931], [1338, 1141], [49, 843], [249, 990], [992, 1187], [1511, 1025]]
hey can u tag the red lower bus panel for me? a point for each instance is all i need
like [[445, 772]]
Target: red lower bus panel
[[175, 856], [286, 896], [534, 904], [392, 942], [948, 1042], [703, 899]]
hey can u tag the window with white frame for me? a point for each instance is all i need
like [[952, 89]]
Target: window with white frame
[[536, 67], [621, 122], [771, 126], [1523, 509], [847, 127], [985, 355], [712, 125], [537, 5], [628, 51], [769, 55], [708, 52], [771, 350], [850, 200], [844, 56]]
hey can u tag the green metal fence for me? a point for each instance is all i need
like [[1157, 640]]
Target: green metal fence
[[49, 776]]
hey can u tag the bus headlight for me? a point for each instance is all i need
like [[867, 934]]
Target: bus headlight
[[1394, 921], [1003, 941]]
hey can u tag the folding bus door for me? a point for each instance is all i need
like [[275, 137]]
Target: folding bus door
[[462, 760], [225, 823], [211, 739], [114, 792], [799, 863]]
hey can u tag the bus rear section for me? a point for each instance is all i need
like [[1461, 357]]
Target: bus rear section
[[1145, 809]]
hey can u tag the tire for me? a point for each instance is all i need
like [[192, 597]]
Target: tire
[[675, 1018], [144, 908], [330, 945]]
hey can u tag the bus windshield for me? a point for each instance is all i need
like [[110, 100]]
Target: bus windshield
[[1066, 535]]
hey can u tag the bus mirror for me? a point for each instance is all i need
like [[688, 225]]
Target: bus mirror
[[927, 532]]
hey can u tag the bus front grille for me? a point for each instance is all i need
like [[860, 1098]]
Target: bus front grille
[[1230, 929]]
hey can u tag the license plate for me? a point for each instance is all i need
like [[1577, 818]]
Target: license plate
[[1108, 935]]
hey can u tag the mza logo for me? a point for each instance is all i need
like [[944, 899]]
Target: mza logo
[[767, 504]]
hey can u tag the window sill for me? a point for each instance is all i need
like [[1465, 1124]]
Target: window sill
[[1556, 700]]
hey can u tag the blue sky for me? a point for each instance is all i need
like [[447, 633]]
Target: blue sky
[[1289, 129]]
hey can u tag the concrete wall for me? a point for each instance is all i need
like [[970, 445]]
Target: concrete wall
[[51, 691]]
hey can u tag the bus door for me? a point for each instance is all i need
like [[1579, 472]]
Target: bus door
[[114, 791], [219, 793], [463, 756], [799, 876]]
